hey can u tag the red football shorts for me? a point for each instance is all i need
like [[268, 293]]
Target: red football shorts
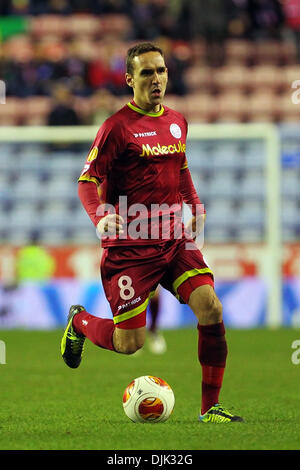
[[131, 274]]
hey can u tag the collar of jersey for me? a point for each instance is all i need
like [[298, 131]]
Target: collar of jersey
[[141, 111]]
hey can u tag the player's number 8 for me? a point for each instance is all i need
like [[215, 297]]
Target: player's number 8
[[126, 289]]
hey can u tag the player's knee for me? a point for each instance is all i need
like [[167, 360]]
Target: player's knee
[[206, 305], [128, 342], [215, 310], [130, 347]]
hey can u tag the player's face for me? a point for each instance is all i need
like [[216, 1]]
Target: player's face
[[149, 80]]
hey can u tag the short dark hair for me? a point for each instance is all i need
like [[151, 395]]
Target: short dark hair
[[137, 50]]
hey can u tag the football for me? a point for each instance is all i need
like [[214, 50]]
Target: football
[[148, 399]]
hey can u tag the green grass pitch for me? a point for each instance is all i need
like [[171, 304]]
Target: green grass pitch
[[45, 405]]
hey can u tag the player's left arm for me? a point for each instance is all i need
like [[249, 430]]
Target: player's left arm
[[191, 198]]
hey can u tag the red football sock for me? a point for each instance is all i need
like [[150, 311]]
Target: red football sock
[[98, 330], [212, 353]]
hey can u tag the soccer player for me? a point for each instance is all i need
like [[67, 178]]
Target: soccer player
[[136, 179]]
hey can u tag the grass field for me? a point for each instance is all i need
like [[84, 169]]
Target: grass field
[[45, 405]]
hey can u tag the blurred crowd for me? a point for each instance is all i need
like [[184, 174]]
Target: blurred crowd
[[80, 45], [173, 18]]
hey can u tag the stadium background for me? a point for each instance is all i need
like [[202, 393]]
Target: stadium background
[[62, 63]]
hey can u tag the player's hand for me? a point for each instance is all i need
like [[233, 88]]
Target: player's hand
[[195, 226], [110, 225]]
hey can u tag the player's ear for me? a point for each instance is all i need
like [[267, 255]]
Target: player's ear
[[129, 79]]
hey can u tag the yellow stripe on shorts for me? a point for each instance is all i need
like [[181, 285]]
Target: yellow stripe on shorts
[[134, 312], [187, 274]]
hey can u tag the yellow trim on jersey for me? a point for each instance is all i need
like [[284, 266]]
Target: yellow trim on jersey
[[193, 272], [141, 111], [185, 165], [134, 312], [86, 177]]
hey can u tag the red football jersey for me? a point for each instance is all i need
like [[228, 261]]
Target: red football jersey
[[138, 156]]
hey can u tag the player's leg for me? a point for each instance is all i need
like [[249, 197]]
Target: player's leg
[[128, 295], [194, 284], [82, 325], [103, 332], [212, 345], [125, 337], [128, 341], [204, 302], [125, 333], [198, 292]]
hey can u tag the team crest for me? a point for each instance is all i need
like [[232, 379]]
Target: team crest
[[93, 154], [175, 130]]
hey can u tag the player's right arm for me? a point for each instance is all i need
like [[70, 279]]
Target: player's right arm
[[90, 196], [93, 179], [190, 197]]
